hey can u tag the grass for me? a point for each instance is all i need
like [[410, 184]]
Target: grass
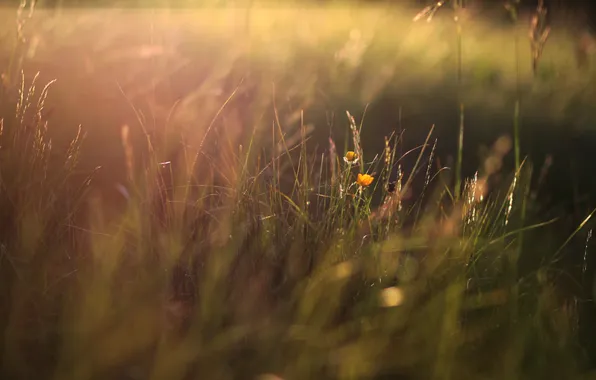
[[262, 254]]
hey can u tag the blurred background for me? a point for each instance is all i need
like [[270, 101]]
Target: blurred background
[[114, 64]]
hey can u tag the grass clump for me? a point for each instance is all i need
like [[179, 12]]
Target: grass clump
[[278, 261], [266, 257]]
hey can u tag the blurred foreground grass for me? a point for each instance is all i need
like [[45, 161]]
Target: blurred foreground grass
[[253, 254]]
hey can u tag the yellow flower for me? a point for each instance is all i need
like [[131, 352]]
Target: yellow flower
[[351, 157], [364, 180]]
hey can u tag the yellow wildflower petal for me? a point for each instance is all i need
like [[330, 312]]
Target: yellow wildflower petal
[[364, 180], [351, 157]]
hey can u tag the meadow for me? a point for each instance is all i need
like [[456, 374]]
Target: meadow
[[267, 192]]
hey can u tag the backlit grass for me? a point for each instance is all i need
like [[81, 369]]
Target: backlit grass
[[262, 252]]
